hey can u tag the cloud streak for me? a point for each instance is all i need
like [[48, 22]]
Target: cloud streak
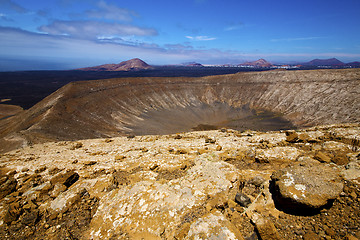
[[111, 12], [200, 38], [234, 27], [294, 39], [94, 29]]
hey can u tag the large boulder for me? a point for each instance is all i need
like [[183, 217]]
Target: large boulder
[[149, 209], [309, 187]]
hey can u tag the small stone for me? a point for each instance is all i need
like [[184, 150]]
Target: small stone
[[178, 136], [153, 167], [30, 218], [242, 199], [350, 237], [40, 170], [257, 181], [90, 163], [76, 146], [185, 165], [58, 188], [299, 232], [306, 187], [119, 157], [303, 137], [218, 148], [330, 232], [202, 151], [210, 140], [353, 195], [322, 157], [265, 228], [54, 170], [181, 151], [232, 204], [311, 236], [8, 185], [68, 178], [223, 130], [340, 159], [291, 136]]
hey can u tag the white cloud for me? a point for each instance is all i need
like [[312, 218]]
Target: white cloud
[[94, 29], [178, 46], [294, 39], [67, 53], [43, 51], [112, 12], [233, 27], [200, 38]]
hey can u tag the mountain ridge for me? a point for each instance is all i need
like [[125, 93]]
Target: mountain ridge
[[324, 62], [258, 63], [134, 64]]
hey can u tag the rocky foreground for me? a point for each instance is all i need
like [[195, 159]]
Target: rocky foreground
[[220, 184]]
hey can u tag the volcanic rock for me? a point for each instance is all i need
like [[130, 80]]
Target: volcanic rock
[[188, 195], [265, 228], [322, 157], [292, 136], [67, 179], [242, 199], [306, 187], [7, 184]]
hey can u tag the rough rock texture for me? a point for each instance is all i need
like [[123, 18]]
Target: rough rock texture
[[263, 101], [155, 208], [178, 186], [309, 186]]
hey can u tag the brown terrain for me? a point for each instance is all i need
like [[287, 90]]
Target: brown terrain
[[7, 110], [150, 175]]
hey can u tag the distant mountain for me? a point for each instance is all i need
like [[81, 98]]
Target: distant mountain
[[261, 63], [135, 64], [353, 64], [192, 64], [324, 62]]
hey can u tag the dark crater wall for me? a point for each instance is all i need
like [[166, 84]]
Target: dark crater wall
[[270, 100]]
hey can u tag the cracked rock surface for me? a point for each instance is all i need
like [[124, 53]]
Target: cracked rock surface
[[182, 186]]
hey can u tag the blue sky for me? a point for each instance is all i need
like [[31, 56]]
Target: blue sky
[[67, 34]]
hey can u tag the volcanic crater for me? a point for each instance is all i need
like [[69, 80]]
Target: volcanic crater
[[215, 184], [264, 101]]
